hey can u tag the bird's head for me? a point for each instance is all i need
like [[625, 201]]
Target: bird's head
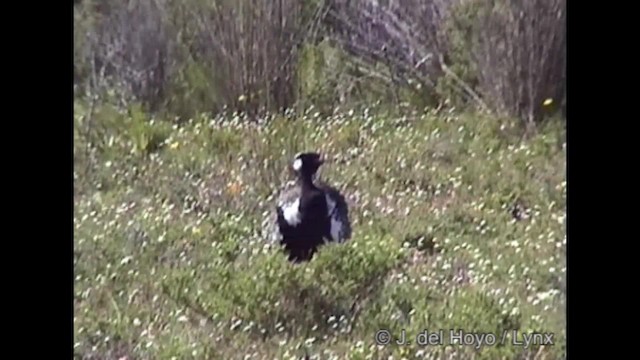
[[306, 164]]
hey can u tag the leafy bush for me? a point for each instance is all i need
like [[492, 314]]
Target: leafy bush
[[177, 56], [520, 51], [504, 56]]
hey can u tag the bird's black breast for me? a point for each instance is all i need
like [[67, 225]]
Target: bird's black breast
[[303, 240], [313, 210]]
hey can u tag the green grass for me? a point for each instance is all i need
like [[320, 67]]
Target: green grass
[[170, 261]]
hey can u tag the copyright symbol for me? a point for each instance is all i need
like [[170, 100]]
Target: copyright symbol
[[383, 337]]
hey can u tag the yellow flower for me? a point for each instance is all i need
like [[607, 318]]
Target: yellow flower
[[234, 188], [174, 145], [196, 230]]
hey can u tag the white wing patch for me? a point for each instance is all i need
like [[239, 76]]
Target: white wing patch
[[336, 224], [291, 212]]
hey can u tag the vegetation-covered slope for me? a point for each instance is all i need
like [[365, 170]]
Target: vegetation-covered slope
[[458, 224]]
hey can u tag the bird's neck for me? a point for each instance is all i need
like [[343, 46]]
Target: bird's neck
[[306, 181]]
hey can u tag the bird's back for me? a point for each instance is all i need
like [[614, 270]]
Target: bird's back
[[338, 213]]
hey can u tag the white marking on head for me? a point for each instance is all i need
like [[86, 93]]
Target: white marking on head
[[291, 212], [297, 164]]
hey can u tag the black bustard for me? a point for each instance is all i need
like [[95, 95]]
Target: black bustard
[[309, 213]]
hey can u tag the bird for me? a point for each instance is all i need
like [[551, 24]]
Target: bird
[[309, 213]]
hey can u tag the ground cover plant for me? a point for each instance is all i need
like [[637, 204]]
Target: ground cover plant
[[458, 224], [442, 122]]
